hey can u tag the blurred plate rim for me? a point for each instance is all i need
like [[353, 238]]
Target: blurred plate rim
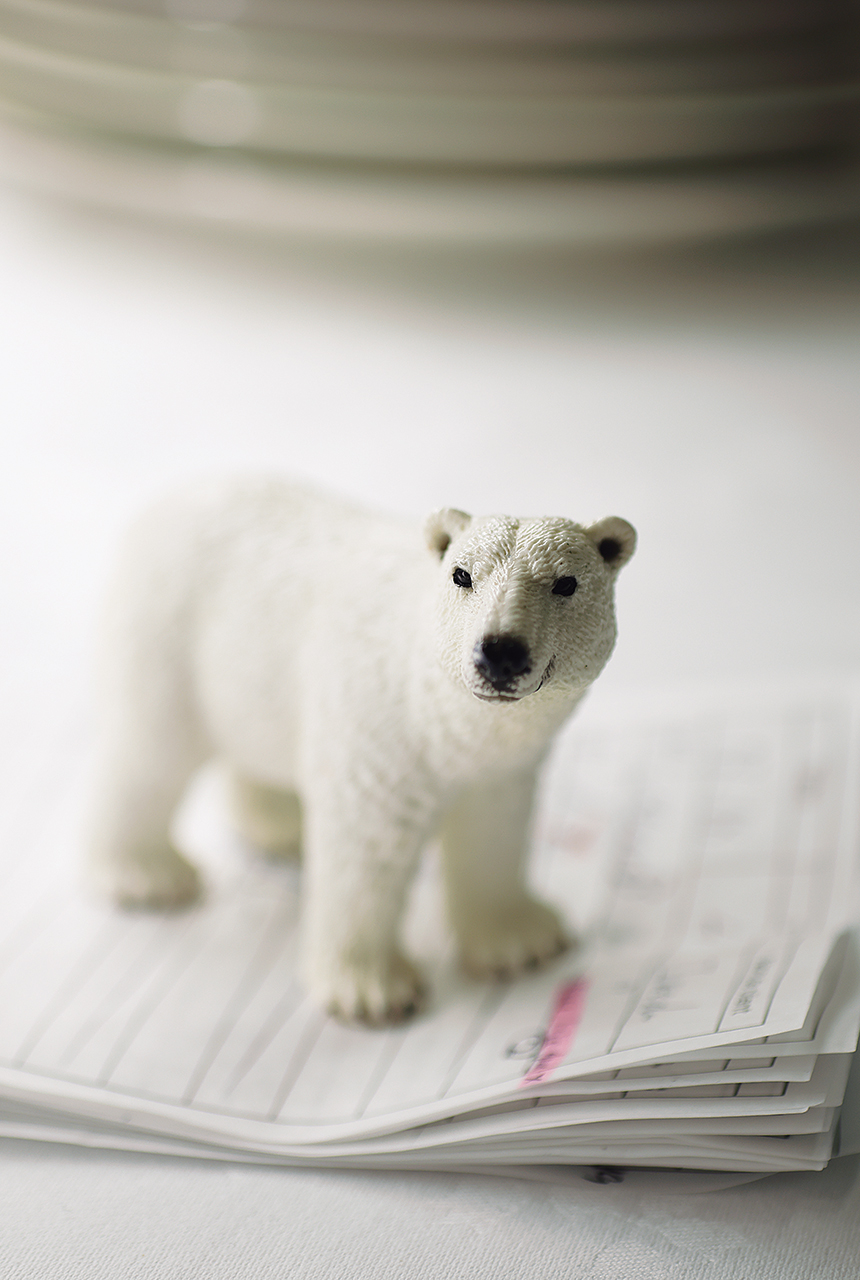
[[350, 203]]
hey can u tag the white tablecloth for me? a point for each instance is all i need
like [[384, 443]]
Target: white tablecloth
[[71, 1215]]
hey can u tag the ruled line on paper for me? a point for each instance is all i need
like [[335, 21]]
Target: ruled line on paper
[[137, 973], [307, 1040], [386, 1060], [488, 1005], [257, 969], [286, 1006], [146, 1008], [87, 963]]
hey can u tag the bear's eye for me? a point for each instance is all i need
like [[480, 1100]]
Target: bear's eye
[[564, 586], [462, 578]]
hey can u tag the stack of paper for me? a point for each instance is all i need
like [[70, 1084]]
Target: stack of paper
[[708, 856]]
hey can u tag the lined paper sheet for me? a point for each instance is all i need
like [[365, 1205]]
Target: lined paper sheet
[[709, 855]]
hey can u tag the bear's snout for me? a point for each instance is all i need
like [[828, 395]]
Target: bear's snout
[[500, 659]]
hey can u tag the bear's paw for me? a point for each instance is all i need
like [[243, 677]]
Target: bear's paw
[[524, 936], [374, 990], [156, 879]]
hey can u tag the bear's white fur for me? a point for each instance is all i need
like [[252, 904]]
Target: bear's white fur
[[400, 685]]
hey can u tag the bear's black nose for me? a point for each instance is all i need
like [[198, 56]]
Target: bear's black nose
[[501, 658]]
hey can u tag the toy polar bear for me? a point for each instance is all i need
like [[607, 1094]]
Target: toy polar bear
[[400, 685]]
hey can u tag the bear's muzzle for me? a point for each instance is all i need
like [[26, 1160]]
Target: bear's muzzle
[[501, 660]]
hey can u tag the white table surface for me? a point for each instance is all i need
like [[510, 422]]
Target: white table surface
[[710, 396]]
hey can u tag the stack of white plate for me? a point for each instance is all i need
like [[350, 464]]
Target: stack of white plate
[[464, 119]]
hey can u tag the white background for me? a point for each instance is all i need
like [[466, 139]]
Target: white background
[[708, 395]]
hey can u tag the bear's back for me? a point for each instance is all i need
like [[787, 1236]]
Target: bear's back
[[282, 595]]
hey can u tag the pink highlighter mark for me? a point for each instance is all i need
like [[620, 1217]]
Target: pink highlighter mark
[[566, 1016]]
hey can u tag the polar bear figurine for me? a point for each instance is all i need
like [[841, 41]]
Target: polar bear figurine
[[368, 687]]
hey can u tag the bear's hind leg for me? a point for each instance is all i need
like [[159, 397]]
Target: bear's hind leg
[[268, 817], [141, 776]]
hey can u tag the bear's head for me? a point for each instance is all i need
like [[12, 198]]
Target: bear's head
[[525, 605]]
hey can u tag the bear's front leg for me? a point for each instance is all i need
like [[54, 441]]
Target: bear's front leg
[[360, 858], [500, 928]]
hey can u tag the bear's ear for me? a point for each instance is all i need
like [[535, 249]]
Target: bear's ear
[[614, 538], [442, 527]]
